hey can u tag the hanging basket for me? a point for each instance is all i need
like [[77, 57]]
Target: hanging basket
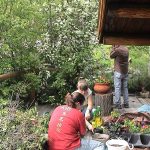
[[102, 88]]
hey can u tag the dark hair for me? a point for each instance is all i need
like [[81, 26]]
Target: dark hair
[[83, 85], [71, 99]]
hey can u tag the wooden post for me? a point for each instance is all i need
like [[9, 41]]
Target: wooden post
[[105, 101]]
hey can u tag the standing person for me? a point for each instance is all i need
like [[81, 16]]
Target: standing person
[[67, 126], [120, 54], [83, 88]]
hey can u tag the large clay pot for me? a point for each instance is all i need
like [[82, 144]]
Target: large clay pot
[[101, 88]]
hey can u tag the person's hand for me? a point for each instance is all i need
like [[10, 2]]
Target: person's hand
[[87, 114], [90, 127]]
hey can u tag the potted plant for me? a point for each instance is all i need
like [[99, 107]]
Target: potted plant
[[101, 85], [144, 93]]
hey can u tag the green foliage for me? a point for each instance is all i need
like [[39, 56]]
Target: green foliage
[[138, 68], [145, 129], [39, 35], [102, 65], [19, 31], [101, 55], [32, 80], [133, 128], [115, 114], [102, 80], [21, 129], [4, 90], [54, 42], [20, 89], [49, 34]]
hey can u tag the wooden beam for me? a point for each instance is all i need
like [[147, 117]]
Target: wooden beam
[[101, 15], [122, 40], [129, 12]]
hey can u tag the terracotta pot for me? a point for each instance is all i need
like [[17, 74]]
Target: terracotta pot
[[101, 88]]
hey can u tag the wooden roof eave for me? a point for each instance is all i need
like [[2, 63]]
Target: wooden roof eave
[[101, 15], [126, 11], [113, 10], [126, 40]]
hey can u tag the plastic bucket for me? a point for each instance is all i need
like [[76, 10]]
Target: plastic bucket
[[116, 144]]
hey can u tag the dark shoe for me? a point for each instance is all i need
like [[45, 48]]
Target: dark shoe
[[118, 106], [126, 105]]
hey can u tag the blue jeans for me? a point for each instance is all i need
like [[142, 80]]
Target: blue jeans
[[121, 83], [89, 144]]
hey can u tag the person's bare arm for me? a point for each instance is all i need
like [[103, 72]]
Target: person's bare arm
[[89, 126], [90, 102], [89, 108]]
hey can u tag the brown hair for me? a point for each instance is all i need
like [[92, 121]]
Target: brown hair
[[71, 99], [82, 85]]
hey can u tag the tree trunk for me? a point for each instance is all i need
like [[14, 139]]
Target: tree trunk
[[105, 101], [9, 75], [18, 73]]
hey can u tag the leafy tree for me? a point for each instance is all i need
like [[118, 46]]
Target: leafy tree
[[39, 35], [138, 68]]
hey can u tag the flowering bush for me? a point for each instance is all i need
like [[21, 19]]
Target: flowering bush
[[130, 125], [136, 127], [145, 129]]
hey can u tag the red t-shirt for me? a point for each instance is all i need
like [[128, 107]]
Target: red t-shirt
[[65, 125]]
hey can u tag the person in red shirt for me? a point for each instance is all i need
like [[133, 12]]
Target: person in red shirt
[[67, 126]]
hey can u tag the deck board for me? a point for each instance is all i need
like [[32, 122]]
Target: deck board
[[135, 102]]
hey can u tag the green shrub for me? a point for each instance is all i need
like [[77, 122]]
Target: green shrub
[[22, 129]]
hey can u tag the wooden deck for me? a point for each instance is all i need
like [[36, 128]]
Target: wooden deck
[[106, 101], [136, 102]]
